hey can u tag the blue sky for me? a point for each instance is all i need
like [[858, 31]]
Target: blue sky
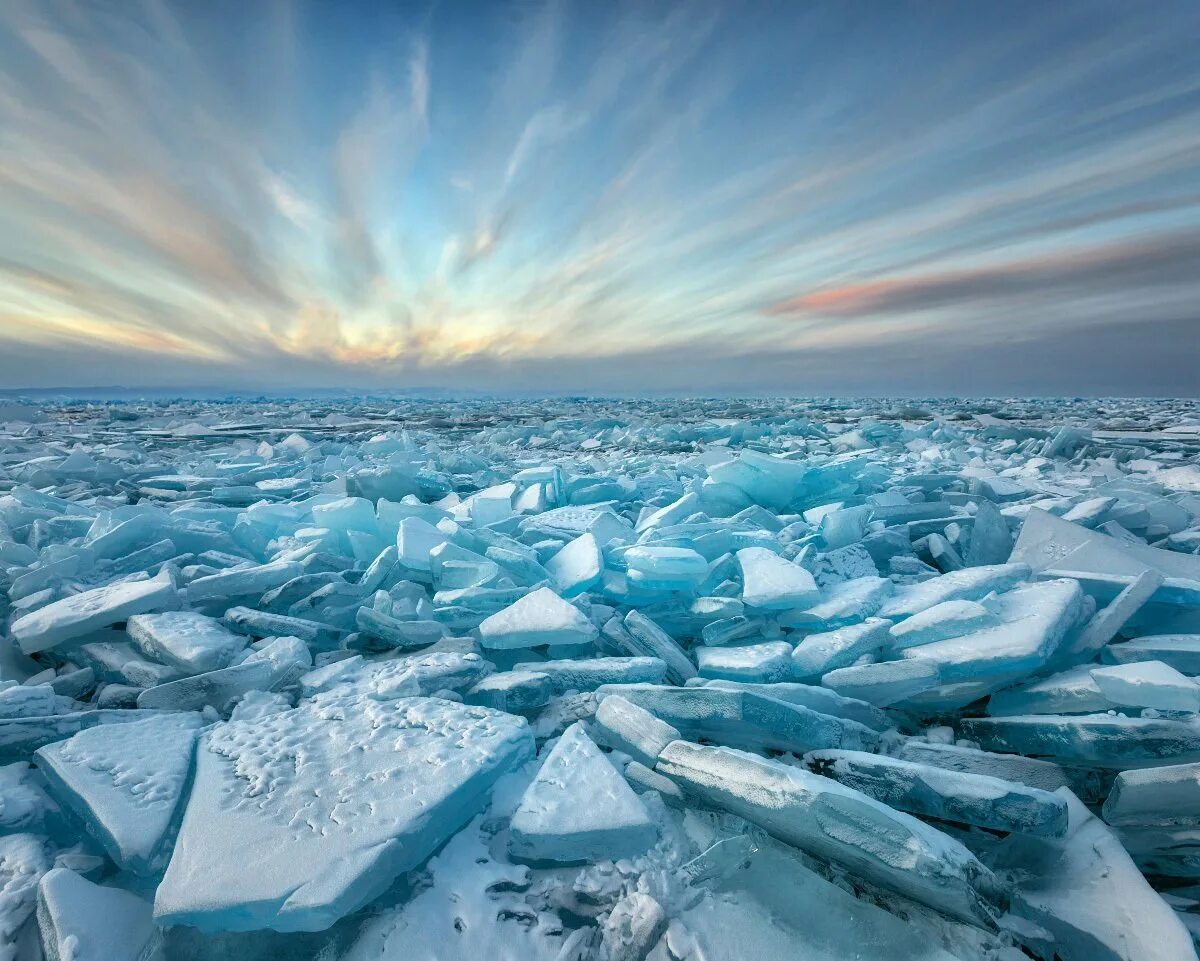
[[840, 198]]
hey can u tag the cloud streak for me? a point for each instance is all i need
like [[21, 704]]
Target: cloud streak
[[577, 196]]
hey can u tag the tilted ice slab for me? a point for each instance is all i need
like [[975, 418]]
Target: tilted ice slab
[[1148, 684], [623, 726], [1099, 740], [188, 640], [579, 809], [819, 654], [744, 720], [1180, 651], [82, 613], [819, 699], [969, 584], [1085, 890], [540, 617], [298, 818], [1034, 620], [587, 674], [21, 736], [947, 795], [845, 603], [828, 820], [1159, 795], [276, 665], [1074, 691], [1047, 541], [942, 621], [124, 782], [82, 921], [1040, 773]]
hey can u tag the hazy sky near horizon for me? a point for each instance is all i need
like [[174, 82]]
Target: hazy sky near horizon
[[929, 197]]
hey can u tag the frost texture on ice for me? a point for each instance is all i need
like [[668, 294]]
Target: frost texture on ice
[[579, 809], [329, 802], [125, 782]]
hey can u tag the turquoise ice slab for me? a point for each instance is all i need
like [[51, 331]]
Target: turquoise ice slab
[[579, 809], [328, 803], [833, 822], [82, 921], [124, 782]]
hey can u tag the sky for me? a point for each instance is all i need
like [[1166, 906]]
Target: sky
[[926, 198]]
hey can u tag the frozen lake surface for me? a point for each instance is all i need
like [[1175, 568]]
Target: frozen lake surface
[[573, 679]]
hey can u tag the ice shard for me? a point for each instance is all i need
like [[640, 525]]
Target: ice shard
[[329, 801], [830, 821], [125, 783], [579, 809]]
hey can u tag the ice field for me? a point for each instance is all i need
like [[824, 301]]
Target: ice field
[[677, 680]]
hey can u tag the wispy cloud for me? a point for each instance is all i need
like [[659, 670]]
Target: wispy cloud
[[579, 195]]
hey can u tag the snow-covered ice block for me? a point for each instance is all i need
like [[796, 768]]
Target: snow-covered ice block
[[969, 584], [31, 700], [1148, 684], [514, 691], [885, 682], [577, 565], [124, 782], [26, 806], [188, 640], [587, 674], [80, 614], [772, 583], [633, 928], [277, 665], [829, 821], [1073, 691], [640, 636], [940, 622], [1180, 651], [82, 921], [540, 617], [745, 720], [329, 802], [819, 654], [1158, 796], [1099, 740], [762, 663], [947, 795], [1085, 890], [24, 859], [579, 809], [1034, 772], [623, 726], [815, 698], [847, 602]]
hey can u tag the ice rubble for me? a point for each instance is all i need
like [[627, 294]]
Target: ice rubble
[[371, 679]]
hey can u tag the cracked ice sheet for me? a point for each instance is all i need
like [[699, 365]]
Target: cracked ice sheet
[[312, 510], [330, 802]]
